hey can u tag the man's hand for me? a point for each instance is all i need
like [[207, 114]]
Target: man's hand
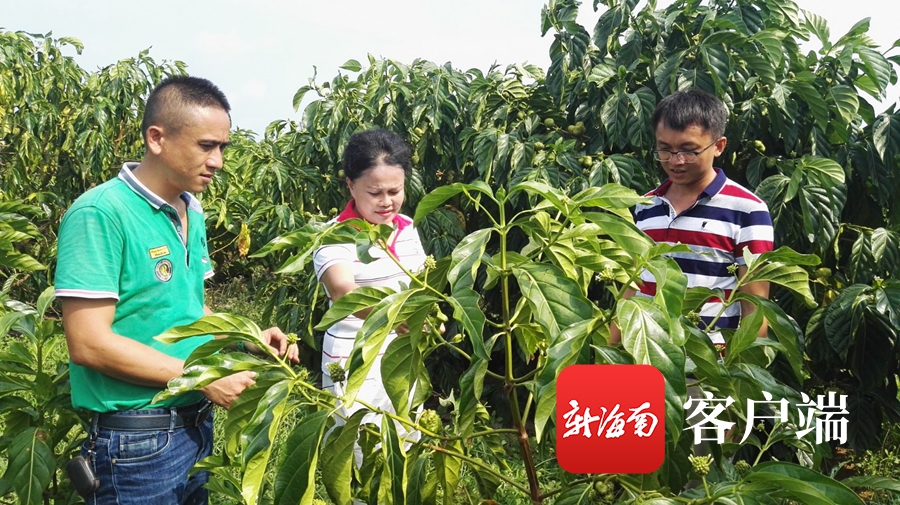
[[226, 390], [278, 342]]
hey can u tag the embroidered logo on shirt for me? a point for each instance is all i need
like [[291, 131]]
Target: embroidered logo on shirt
[[159, 252], [164, 270]]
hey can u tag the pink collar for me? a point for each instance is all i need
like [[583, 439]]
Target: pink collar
[[400, 222]]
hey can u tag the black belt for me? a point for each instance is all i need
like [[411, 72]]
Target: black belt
[[191, 415]]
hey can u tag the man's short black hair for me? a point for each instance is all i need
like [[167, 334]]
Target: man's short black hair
[[176, 94], [680, 110]]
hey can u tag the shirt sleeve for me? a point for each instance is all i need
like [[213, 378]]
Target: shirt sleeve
[[329, 255], [89, 255]]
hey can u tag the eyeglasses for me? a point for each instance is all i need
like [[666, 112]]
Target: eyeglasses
[[686, 156]]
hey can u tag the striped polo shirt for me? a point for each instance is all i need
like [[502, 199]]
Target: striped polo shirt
[[381, 272], [725, 219]]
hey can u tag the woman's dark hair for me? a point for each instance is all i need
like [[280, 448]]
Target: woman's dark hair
[[680, 110], [369, 148]]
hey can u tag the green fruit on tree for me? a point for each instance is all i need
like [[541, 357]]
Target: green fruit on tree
[[538, 145], [549, 122]]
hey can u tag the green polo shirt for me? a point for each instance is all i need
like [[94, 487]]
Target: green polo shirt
[[120, 241]]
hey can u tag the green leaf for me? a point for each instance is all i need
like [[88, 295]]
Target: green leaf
[[295, 480], [556, 301], [886, 136], [818, 25], [744, 337], [579, 494], [449, 470], [645, 335], [466, 258], [386, 316], [351, 65], [814, 101], [440, 195], [846, 102], [402, 362], [624, 233], [338, 458], [256, 439], [799, 483], [562, 352], [877, 67], [206, 370], [31, 466], [360, 298], [825, 171], [214, 324], [872, 482], [786, 331], [671, 284], [393, 477], [298, 97], [467, 312], [791, 277], [471, 384]]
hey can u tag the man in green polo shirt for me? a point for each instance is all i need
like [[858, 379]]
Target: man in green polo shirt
[[131, 264]]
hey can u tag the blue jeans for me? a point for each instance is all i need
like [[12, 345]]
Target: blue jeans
[[150, 467]]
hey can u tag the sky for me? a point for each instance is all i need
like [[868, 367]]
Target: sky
[[261, 52]]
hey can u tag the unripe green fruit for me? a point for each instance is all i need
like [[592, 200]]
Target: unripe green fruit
[[538, 145], [431, 421], [336, 372], [586, 161], [418, 131], [549, 122], [520, 115], [759, 146]]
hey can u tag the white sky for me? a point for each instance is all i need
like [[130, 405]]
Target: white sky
[[260, 52]]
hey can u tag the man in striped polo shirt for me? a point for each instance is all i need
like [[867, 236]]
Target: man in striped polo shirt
[[700, 207]]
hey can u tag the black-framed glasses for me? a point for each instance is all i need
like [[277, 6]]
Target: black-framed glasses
[[686, 156]]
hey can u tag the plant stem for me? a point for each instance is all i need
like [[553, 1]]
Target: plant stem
[[510, 386]]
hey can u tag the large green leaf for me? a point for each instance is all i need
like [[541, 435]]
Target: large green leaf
[[471, 384], [393, 477], [466, 310], [580, 494], [645, 334], [562, 352], [877, 67], [295, 480], [387, 315], [360, 298], [338, 458], [791, 277], [824, 171], [744, 337], [872, 482], [556, 301], [440, 195], [886, 136], [30, 466], [214, 324], [799, 483], [846, 103], [402, 363], [786, 331], [466, 258], [671, 284], [206, 370], [449, 470], [257, 437], [624, 233]]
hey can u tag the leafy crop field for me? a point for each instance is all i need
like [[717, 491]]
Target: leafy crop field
[[522, 186]]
